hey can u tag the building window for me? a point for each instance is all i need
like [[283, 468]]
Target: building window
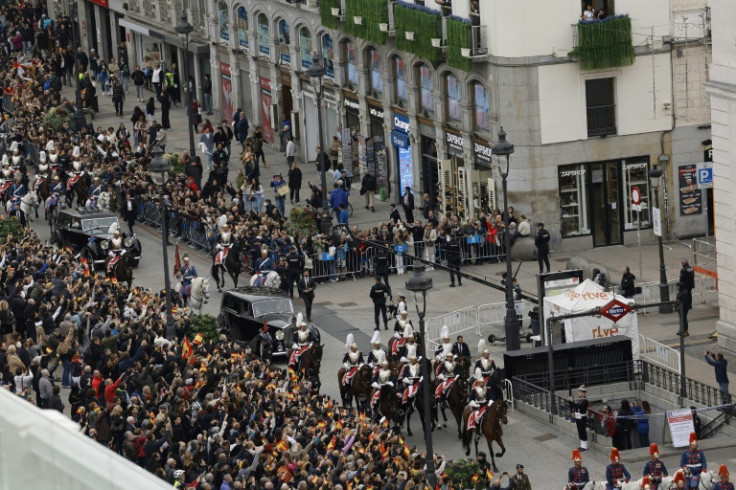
[[573, 200], [600, 106], [242, 20], [599, 9], [426, 92], [351, 69], [481, 114], [284, 41], [263, 47], [401, 93], [374, 68], [453, 112], [329, 55], [222, 20], [305, 47]]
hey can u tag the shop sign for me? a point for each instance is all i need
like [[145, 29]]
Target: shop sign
[[483, 154], [399, 139], [375, 112], [352, 104], [401, 122], [691, 199], [454, 144]]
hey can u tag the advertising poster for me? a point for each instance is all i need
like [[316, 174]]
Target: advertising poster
[[263, 39], [266, 109], [329, 55], [243, 27], [681, 425], [284, 41], [222, 17], [691, 199], [406, 170], [305, 48], [227, 91]]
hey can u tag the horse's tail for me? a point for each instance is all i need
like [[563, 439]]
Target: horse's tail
[[466, 433]]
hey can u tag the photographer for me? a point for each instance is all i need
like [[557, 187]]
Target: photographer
[[720, 365]]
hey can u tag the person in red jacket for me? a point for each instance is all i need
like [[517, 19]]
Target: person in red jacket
[[110, 388], [97, 380], [608, 421]]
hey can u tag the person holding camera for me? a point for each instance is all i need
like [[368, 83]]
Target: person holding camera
[[721, 368]]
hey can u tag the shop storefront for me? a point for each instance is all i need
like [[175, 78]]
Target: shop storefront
[[429, 165], [453, 177], [352, 114], [595, 199], [400, 141], [376, 148], [483, 188]]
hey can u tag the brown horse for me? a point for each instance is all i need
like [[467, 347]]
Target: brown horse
[[389, 404], [455, 399], [490, 427], [310, 359], [360, 386], [392, 341], [81, 189], [123, 269]]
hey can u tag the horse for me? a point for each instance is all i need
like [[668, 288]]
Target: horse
[[393, 340], [418, 403], [233, 265], [310, 359], [123, 271], [455, 398], [81, 189], [105, 201], [490, 427], [360, 385], [199, 294], [28, 203], [271, 280], [389, 404]]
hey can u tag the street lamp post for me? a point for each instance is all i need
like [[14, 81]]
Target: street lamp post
[[184, 28], [511, 324], [316, 72], [80, 121], [160, 168], [420, 283], [664, 292]]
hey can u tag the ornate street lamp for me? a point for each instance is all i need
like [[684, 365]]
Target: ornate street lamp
[[316, 72], [184, 28], [664, 291], [160, 168]]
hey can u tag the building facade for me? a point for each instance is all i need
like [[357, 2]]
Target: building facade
[[416, 91]]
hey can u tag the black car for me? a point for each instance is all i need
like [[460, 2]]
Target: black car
[[244, 311], [87, 232]]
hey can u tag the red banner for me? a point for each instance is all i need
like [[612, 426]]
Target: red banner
[[227, 91], [266, 100]]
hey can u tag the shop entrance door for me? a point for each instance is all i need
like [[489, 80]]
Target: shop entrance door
[[604, 201]]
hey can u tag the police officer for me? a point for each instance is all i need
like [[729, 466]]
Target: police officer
[[616, 473], [693, 463], [379, 293], [282, 269], [519, 481], [453, 260], [687, 275], [577, 476], [542, 243], [295, 264], [382, 265], [579, 410], [655, 468]]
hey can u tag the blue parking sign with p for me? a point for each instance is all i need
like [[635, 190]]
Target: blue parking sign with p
[[705, 176]]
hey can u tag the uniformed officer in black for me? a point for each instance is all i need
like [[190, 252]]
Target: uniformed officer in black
[[295, 264], [283, 271], [687, 275], [382, 266], [379, 293], [579, 410], [453, 260], [542, 243]]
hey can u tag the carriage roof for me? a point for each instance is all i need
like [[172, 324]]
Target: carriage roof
[[254, 293]]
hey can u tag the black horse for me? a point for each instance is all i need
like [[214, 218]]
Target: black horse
[[123, 270], [233, 265]]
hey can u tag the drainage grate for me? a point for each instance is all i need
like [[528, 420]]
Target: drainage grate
[[545, 437], [349, 303]]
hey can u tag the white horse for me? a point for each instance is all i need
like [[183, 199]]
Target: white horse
[[271, 280], [103, 202], [199, 294], [28, 204]]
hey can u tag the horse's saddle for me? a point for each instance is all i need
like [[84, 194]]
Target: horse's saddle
[[443, 387], [4, 185], [349, 375], [72, 180], [476, 417], [296, 354], [222, 255], [112, 264], [410, 392], [396, 346]]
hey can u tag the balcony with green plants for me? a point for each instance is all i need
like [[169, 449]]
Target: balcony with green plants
[[459, 43], [602, 44], [363, 19], [327, 11], [416, 27]]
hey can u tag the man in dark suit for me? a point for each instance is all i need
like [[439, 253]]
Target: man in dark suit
[[129, 211], [306, 291], [460, 348], [407, 202], [394, 214]]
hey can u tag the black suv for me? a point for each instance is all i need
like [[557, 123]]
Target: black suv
[[244, 311], [87, 232]]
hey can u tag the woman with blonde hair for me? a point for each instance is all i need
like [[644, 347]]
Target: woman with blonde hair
[[7, 320]]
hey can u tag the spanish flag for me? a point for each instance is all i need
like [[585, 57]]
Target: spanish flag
[[332, 444], [49, 350], [235, 356], [198, 339], [321, 424], [361, 417], [314, 480], [186, 350], [86, 267], [271, 386], [339, 424], [290, 396], [384, 451], [407, 452], [489, 474], [282, 445], [475, 478]]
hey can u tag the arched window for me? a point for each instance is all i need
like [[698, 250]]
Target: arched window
[[401, 93], [374, 69], [453, 112], [222, 20], [351, 69], [329, 55], [242, 24], [305, 47], [482, 107], [263, 47], [426, 90], [284, 41]]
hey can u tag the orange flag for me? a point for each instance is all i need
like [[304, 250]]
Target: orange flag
[[177, 260]]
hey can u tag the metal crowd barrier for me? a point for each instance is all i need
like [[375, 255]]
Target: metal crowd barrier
[[660, 354], [193, 233]]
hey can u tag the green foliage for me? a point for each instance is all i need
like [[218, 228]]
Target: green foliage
[[461, 475], [302, 222], [56, 117], [8, 227], [604, 43], [424, 23], [204, 324], [325, 11], [374, 12], [459, 35], [177, 166]]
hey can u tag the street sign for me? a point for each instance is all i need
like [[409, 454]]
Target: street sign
[[705, 176], [656, 221], [635, 195], [615, 310]]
